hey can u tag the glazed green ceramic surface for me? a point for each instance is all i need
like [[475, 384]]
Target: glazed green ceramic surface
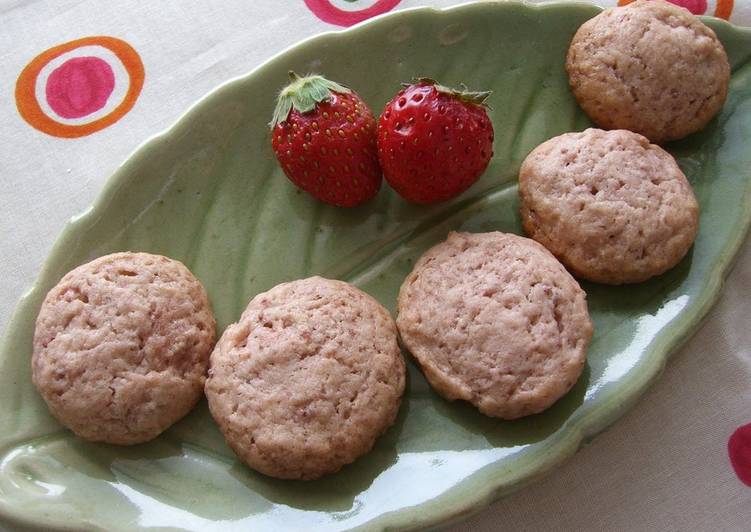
[[209, 193]]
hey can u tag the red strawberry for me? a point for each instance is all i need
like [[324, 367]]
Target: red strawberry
[[324, 137], [434, 142]]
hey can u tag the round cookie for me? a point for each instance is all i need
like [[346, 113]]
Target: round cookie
[[121, 347], [611, 206], [307, 379], [651, 67], [496, 320]]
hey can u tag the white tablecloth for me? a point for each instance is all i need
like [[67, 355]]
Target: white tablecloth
[[664, 466]]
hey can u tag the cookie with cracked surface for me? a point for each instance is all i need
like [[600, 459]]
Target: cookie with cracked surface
[[611, 206], [651, 67], [307, 380], [121, 347], [496, 320]]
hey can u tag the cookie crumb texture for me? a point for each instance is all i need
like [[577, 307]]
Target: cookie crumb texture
[[496, 320], [121, 347], [611, 206], [307, 379], [651, 67]]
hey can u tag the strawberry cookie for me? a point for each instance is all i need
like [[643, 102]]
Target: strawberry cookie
[[121, 347], [651, 67], [611, 206], [307, 379], [496, 320]]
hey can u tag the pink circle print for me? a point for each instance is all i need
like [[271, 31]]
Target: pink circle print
[[328, 12], [697, 7], [739, 451], [80, 86]]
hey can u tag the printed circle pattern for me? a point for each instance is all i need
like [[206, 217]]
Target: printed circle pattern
[[328, 12], [722, 8], [80, 87]]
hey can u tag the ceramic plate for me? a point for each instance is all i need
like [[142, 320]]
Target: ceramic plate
[[209, 193]]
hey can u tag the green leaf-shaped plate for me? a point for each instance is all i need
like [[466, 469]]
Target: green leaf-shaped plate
[[209, 192]]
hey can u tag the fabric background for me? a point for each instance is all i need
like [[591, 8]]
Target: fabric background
[[664, 466]]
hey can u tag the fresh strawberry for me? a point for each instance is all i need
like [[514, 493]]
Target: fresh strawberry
[[434, 142], [324, 137]]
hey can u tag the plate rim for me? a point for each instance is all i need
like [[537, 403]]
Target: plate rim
[[599, 419]]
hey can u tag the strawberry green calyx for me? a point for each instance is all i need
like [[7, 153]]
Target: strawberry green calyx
[[463, 94], [302, 94]]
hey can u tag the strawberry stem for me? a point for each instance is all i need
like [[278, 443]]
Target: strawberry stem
[[302, 94], [465, 95]]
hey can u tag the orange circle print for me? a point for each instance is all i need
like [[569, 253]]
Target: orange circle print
[[71, 99], [723, 9]]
